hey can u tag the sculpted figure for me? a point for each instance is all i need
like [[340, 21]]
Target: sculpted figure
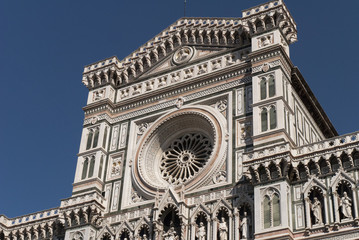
[[223, 229], [245, 226], [201, 234], [346, 204], [316, 208], [170, 234]]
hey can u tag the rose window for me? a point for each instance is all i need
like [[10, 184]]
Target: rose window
[[185, 157]]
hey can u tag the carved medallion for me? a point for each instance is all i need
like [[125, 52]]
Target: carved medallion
[[183, 55]]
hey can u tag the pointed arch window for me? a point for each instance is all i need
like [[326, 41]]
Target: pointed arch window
[[100, 169], [104, 138], [92, 137], [264, 120], [268, 118], [267, 87], [273, 117], [92, 167], [84, 169], [263, 88], [271, 86], [89, 139], [271, 211]]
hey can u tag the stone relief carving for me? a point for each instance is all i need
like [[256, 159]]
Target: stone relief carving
[[221, 105], [175, 77], [162, 81], [231, 59], [115, 137], [116, 166], [202, 69], [240, 101], [135, 198], [116, 195], [94, 120], [245, 132], [188, 73], [179, 102], [182, 55], [217, 64], [142, 128], [249, 99], [77, 236], [123, 135], [265, 41], [265, 67], [220, 177], [99, 94]]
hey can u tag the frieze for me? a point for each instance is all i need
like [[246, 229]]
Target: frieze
[[170, 103], [262, 67], [179, 76]]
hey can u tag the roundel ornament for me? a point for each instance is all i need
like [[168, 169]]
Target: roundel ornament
[[183, 55]]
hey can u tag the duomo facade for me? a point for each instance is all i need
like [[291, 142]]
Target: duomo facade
[[207, 131]]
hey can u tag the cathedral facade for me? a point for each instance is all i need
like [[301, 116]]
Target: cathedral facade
[[207, 131]]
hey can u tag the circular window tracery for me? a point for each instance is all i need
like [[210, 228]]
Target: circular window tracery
[[180, 149], [185, 157]]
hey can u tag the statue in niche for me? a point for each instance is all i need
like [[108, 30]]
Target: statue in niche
[[144, 237], [346, 204], [201, 233], [316, 208], [170, 234], [223, 229], [245, 226]]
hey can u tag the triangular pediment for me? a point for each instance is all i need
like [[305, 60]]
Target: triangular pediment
[[199, 53], [170, 197], [124, 225], [208, 32], [207, 35], [341, 175], [313, 182]]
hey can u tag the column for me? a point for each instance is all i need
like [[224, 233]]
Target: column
[[230, 227], [336, 208], [214, 228]]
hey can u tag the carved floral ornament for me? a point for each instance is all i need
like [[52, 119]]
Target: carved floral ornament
[[179, 147]]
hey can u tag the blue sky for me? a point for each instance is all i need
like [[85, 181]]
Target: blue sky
[[45, 44]]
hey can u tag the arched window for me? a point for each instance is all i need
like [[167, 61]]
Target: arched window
[[267, 87], [273, 117], [84, 169], [89, 139], [104, 138], [264, 120], [276, 210], [271, 86], [263, 87], [271, 211], [95, 139], [92, 166], [100, 169], [266, 212]]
